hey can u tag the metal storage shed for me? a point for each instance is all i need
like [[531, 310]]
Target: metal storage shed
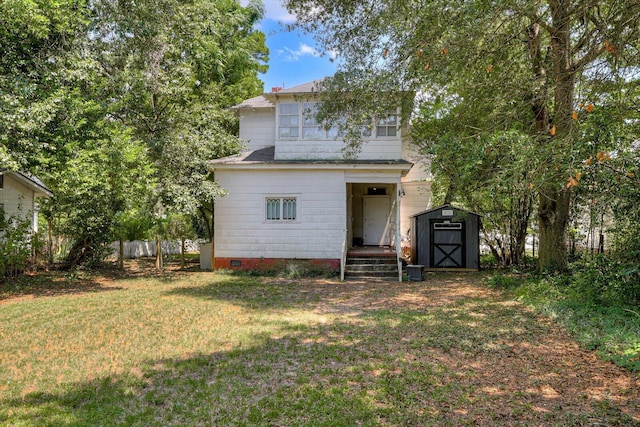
[[446, 238]]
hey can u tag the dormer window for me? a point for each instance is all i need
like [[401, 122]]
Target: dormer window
[[289, 120]]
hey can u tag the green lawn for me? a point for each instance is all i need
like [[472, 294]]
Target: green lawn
[[207, 349]]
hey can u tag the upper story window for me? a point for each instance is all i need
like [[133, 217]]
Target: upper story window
[[289, 120], [387, 126], [298, 120], [1, 182], [311, 129]]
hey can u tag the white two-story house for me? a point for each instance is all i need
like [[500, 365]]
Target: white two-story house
[[292, 196]]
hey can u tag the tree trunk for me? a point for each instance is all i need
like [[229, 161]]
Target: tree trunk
[[50, 239], [121, 255], [555, 197], [553, 217], [182, 249], [555, 136], [158, 254], [209, 218]]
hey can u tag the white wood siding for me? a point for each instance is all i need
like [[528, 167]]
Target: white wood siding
[[417, 198], [329, 149], [421, 170], [18, 200], [318, 233], [258, 128], [416, 185]]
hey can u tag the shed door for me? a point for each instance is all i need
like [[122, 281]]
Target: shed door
[[447, 244]]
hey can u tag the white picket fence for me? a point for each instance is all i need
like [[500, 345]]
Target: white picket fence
[[145, 248]]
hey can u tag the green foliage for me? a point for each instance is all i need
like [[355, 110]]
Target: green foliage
[[606, 281], [17, 244], [503, 281], [134, 225], [172, 69], [597, 303], [491, 174], [179, 227], [118, 105], [486, 70]]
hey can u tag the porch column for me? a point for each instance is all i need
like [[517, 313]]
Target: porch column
[[398, 234]]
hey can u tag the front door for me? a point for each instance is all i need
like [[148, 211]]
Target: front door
[[376, 220]]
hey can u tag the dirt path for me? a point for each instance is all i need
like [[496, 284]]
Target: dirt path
[[509, 356]]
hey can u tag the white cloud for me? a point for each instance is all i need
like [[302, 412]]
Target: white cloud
[[295, 55], [290, 55], [276, 11]]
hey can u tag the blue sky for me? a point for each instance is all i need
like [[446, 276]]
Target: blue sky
[[293, 56]]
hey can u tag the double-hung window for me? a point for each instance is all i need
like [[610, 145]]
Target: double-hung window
[[289, 120], [281, 209], [311, 129], [387, 126]]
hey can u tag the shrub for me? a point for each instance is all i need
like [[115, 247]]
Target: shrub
[[606, 280], [16, 247]]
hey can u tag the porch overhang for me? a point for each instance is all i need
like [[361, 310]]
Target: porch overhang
[[263, 160]]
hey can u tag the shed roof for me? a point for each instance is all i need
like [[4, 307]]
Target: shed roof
[[445, 206]]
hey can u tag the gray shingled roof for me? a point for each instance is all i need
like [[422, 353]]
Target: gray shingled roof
[[255, 102], [30, 181], [263, 101], [308, 87], [267, 155]]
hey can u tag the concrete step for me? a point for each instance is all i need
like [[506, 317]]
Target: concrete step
[[379, 268], [371, 268], [372, 260]]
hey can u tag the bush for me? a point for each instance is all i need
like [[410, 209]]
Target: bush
[[595, 304], [607, 281], [16, 247], [503, 281]]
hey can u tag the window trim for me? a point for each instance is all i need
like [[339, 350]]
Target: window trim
[[281, 115], [381, 123], [309, 111], [281, 209], [370, 131]]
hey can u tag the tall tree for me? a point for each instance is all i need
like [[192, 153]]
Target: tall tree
[[172, 68], [96, 96], [38, 40], [525, 60]]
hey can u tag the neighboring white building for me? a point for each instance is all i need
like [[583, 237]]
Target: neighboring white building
[[293, 195], [18, 196]]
